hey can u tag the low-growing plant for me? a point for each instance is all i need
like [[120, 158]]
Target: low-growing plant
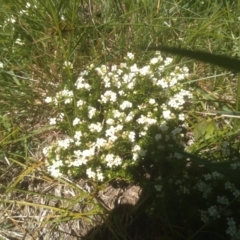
[[138, 118], [114, 114]]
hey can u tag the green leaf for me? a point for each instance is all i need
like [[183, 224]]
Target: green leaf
[[6, 123], [221, 167], [204, 129], [219, 60]]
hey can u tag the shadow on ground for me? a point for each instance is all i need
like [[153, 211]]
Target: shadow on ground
[[128, 219]]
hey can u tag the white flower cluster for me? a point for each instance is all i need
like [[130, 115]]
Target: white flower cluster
[[206, 187], [230, 186], [129, 98], [214, 211], [182, 189], [225, 148], [65, 96], [232, 229], [235, 165]]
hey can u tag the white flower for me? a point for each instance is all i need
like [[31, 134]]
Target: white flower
[[110, 159], [136, 148], [158, 188], [78, 135], [60, 117], [134, 68], [100, 142], [123, 65], [1, 65], [77, 153], [113, 160], [236, 193], [225, 148], [54, 168], [95, 127], [176, 131], [207, 176], [90, 173], [152, 101], [80, 103], [85, 72], [213, 212], [173, 81], [217, 175], [107, 82], [181, 117], [76, 121], [142, 120], [12, 20], [80, 159], [135, 156], [184, 190], [114, 68], [54, 171], [176, 101], [167, 114], [204, 188], [121, 93], [229, 186], [131, 136], [88, 152], [116, 114], [110, 121], [164, 127], [48, 99], [100, 175], [65, 143], [102, 70], [126, 104], [67, 64], [168, 61], [223, 200], [53, 121], [158, 136], [232, 228], [185, 69], [109, 96], [131, 85], [142, 134], [110, 133], [46, 150], [154, 60], [91, 111], [120, 71], [81, 84], [68, 100], [19, 41], [162, 83], [150, 121], [144, 70], [130, 55], [129, 117], [67, 94]]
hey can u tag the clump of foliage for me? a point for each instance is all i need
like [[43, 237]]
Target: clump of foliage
[[121, 113], [114, 113]]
